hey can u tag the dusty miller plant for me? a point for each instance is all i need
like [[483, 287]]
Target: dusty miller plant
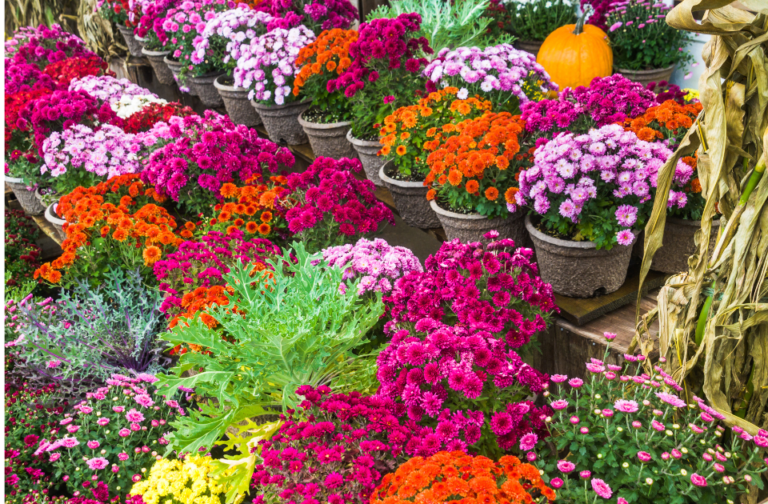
[[80, 340]]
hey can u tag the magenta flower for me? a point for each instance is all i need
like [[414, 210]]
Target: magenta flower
[[601, 488], [610, 337], [671, 399], [625, 237], [123, 456], [134, 416], [644, 456], [566, 466], [575, 382], [558, 378], [585, 474], [528, 441], [124, 432], [102, 421], [118, 409], [556, 483], [93, 444], [560, 404], [699, 481], [574, 420], [54, 457], [69, 442]]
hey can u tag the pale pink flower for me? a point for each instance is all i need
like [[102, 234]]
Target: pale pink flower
[[560, 404], [66, 421], [124, 432], [671, 399], [54, 457], [558, 378], [566, 466], [609, 336], [102, 421], [595, 368], [528, 441], [123, 456], [134, 416], [575, 382], [73, 428], [69, 442], [118, 409], [626, 406], [97, 463], [93, 444]]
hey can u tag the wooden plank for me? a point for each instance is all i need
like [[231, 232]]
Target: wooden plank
[[47, 228], [581, 311]]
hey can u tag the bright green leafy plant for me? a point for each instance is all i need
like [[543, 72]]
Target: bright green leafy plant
[[536, 19], [291, 325]]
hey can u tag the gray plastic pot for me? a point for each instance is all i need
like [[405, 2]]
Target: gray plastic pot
[[238, 105], [677, 245], [57, 223], [29, 202], [175, 68], [367, 151], [410, 200], [576, 268], [645, 77], [471, 227], [157, 60], [134, 46], [282, 121], [329, 140], [204, 88]]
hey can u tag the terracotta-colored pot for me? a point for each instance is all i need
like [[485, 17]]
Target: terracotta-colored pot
[[238, 105], [329, 140], [577, 268], [57, 222], [130, 40], [367, 152], [529, 46], [410, 199], [157, 60], [205, 89], [472, 227], [29, 202], [645, 77], [282, 121]]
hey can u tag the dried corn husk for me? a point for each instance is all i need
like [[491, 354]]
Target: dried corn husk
[[726, 360]]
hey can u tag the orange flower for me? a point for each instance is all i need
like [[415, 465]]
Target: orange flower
[[239, 222], [151, 255], [509, 195], [472, 186], [264, 229], [695, 186], [224, 216], [431, 194], [266, 217], [120, 234], [251, 227], [454, 177], [400, 150], [492, 193]]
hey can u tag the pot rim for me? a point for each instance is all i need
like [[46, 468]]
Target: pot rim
[[322, 126], [363, 143], [259, 106], [12, 180], [140, 39], [583, 245], [208, 75], [149, 52], [168, 60], [643, 72], [51, 215], [219, 85], [453, 215], [125, 28], [399, 183]]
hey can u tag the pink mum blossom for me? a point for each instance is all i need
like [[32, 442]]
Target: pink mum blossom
[[698, 480], [601, 488], [97, 464], [626, 406]]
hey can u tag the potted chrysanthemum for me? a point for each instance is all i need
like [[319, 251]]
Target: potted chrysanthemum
[[383, 76], [154, 38], [590, 196]]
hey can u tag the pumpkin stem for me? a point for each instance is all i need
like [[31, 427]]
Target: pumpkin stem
[[588, 9]]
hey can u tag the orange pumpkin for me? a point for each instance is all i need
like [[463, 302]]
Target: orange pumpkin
[[573, 55]]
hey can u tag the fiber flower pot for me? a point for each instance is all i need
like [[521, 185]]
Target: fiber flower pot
[[472, 227], [282, 121], [645, 77], [175, 68], [578, 269], [329, 140], [204, 88], [367, 151], [141, 41], [529, 46], [57, 222], [29, 202], [130, 40], [157, 60], [410, 200], [237, 103], [677, 245]]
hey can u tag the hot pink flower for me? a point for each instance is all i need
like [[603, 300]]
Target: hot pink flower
[[69, 442], [93, 444], [123, 456], [626, 406], [102, 421], [528, 441], [575, 382], [558, 378], [601, 488], [118, 409], [699, 481], [644, 456], [124, 432], [73, 428], [97, 464], [560, 404], [134, 416], [556, 483], [566, 466], [585, 474]]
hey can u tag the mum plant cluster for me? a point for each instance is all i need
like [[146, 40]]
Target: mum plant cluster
[[223, 328]]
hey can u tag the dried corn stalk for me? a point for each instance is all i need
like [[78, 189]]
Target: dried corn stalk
[[724, 292]]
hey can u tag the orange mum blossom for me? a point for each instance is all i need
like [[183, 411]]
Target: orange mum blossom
[[668, 121], [257, 209], [461, 478], [476, 166], [411, 133], [319, 62], [103, 235]]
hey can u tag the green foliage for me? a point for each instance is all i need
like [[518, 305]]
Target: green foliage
[[461, 23], [536, 19], [90, 333], [641, 45], [294, 331]]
